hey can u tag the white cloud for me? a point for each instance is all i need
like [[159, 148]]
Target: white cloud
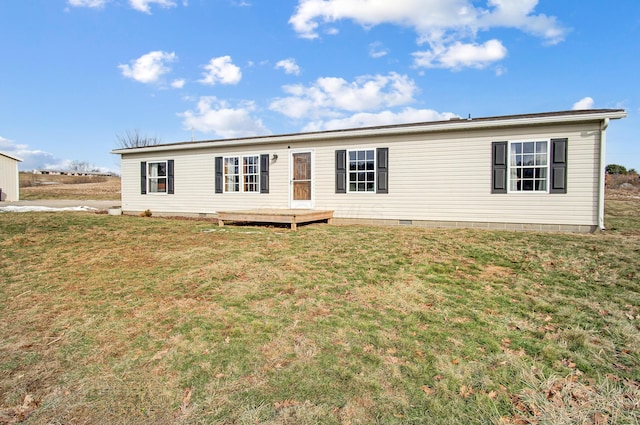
[[365, 119], [584, 103], [221, 70], [376, 50], [458, 55], [88, 3], [289, 66], [32, 158], [448, 26], [369, 100], [218, 117], [327, 96], [140, 5], [500, 70], [520, 14], [429, 18], [144, 5], [178, 84], [149, 68]]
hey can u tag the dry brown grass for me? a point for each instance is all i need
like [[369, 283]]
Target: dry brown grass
[[623, 186], [572, 400], [36, 187], [623, 194]]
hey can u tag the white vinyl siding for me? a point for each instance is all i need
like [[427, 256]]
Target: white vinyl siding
[[195, 184], [426, 180]]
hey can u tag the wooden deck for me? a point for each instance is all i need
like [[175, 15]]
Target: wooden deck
[[288, 216]]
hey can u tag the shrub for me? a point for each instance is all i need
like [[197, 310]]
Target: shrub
[[616, 169]]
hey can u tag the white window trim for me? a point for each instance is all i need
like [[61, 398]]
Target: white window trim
[[375, 171], [240, 174], [149, 178], [548, 166], [225, 174]]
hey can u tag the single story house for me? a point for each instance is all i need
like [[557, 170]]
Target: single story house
[[542, 171], [9, 178]]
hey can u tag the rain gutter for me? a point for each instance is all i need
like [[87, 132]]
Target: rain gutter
[[603, 146]]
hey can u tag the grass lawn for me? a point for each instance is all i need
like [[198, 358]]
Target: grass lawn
[[145, 320]]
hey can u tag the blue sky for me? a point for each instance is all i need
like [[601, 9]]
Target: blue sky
[[76, 73]]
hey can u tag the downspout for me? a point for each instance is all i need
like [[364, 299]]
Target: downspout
[[602, 176]]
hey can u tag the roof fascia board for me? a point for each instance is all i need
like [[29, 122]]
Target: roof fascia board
[[452, 125], [10, 157]]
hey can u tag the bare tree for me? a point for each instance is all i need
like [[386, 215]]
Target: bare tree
[[80, 167], [133, 139]]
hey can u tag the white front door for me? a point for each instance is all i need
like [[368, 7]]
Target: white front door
[[301, 179]]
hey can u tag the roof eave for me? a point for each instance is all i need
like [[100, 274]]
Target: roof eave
[[429, 127], [10, 157]]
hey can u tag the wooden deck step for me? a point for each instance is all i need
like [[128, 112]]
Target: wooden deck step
[[275, 215]]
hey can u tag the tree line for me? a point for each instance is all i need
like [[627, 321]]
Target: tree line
[[619, 169]]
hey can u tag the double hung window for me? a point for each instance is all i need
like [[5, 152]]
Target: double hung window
[[528, 166], [232, 174], [531, 166], [251, 173], [242, 174], [362, 170], [157, 177]]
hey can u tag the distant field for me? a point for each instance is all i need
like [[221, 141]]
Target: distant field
[[46, 186], [131, 320]]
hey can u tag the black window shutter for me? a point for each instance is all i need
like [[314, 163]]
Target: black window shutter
[[558, 165], [499, 167], [170, 177], [218, 174], [382, 170], [143, 178], [264, 173], [341, 171]]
